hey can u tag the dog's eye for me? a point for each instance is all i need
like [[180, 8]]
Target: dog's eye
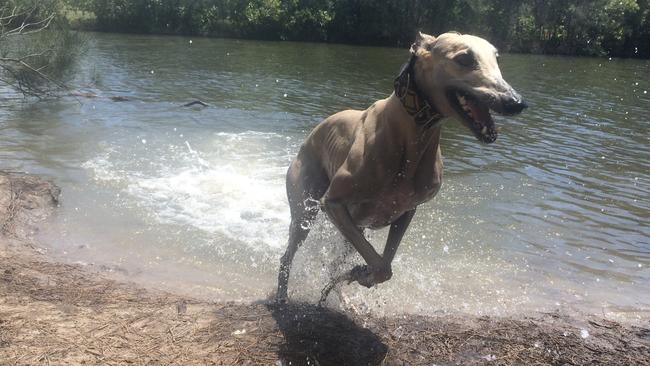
[[465, 60]]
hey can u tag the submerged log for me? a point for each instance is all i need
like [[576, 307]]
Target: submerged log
[[195, 102]]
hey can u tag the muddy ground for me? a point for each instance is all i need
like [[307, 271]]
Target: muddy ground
[[59, 314]]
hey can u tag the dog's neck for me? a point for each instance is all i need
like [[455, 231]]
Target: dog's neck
[[414, 101]]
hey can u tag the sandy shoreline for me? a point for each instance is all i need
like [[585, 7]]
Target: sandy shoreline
[[53, 313]]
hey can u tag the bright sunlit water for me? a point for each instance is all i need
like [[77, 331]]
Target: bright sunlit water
[[554, 215]]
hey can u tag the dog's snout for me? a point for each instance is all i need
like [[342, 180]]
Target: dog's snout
[[513, 103]]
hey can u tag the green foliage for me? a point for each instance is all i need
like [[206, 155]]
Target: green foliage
[[582, 27], [37, 50]]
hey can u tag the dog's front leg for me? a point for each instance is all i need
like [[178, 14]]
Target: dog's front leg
[[340, 217], [395, 235], [384, 272]]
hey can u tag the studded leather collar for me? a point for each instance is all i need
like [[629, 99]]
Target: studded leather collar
[[413, 100]]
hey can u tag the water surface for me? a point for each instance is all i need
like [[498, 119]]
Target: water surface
[[554, 215]]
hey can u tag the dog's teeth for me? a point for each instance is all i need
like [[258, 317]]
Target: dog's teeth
[[484, 130]]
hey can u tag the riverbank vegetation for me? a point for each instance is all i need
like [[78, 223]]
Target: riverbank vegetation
[[37, 49], [570, 27]]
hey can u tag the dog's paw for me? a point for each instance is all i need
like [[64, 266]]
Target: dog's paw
[[363, 276], [279, 298], [368, 277]]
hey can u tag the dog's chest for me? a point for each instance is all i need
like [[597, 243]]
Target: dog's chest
[[401, 195]]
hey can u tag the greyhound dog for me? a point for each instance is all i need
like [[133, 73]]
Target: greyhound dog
[[372, 168]]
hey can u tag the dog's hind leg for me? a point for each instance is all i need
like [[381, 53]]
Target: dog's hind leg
[[298, 231], [336, 276], [306, 184]]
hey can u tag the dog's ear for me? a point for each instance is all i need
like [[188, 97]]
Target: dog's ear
[[420, 40], [419, 37]]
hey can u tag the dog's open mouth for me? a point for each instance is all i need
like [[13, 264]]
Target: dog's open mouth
[[475, 114]]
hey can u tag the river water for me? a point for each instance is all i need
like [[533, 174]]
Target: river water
[[554, 216]]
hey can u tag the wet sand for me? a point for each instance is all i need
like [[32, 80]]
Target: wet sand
[[60, 314]]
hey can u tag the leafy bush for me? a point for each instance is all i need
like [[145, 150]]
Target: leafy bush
[[597, 27]]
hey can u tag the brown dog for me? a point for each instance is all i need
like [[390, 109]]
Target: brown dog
[[372, 168]]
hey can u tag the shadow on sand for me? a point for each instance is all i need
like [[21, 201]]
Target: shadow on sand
[[319, 336]]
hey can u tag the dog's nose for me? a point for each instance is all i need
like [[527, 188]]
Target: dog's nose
[[514, 104]]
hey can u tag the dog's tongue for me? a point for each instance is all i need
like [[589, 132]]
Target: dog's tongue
[[480, 113]]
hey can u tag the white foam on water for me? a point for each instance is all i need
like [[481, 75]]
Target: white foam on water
[[223, 199], [232, 184]]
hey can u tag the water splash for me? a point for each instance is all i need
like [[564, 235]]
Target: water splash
[[228, 190]]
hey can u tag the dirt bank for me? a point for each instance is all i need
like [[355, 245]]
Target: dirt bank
[[59, 314]]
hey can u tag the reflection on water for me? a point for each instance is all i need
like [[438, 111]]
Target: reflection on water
[[556, 214]]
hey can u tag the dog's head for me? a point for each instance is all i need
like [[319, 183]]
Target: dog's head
[[461, 77]]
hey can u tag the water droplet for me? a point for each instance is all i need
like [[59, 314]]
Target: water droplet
[[285, 95], [144, 141], [584, 333], [489, 358], [152, 72], [239, 332]]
